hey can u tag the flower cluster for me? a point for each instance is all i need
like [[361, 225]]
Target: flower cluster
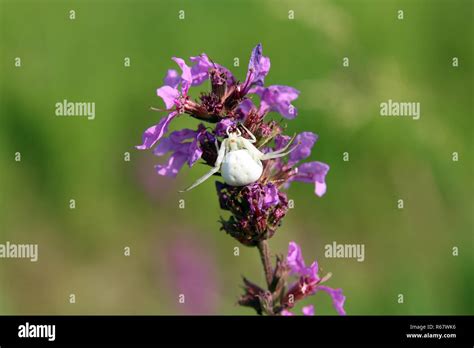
[[308, 282], [280, 298], [241, 109], [257, 211]]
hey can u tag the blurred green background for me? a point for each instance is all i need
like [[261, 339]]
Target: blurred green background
[[125, 204]]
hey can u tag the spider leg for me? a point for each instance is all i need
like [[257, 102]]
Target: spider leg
[[202, 179], [272, 155], [284, 148], [252, 137], [280, 153], [254, 152], [214, 170]]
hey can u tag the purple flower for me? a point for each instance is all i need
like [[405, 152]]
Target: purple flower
[[257, 209], [172, 78], [186, 75], [296, 263], [277, 98], [309, 281], [156, 132], [313, 172], [338, 298], [310, 172], [281, 141], [305, 141], [191, 76], [262, 197], [182, 151], [244, 108], [200, 70], [173, 97], [271, 195], [169, 95], [221, 127], [169, 92]]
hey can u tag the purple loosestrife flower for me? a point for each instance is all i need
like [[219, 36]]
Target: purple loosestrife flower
[[282, 297], [309, 172], [254, 157], [171, 96], [182, 151], [225, 96], [278, 99], [258, 68], [203, 69], [177, 100], [308, 282]]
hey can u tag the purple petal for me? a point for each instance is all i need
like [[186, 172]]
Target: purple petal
[[277, 98], [271, 195], [172, 78], [154, 133], [295, 259], [223, 195], [244, 107], [305, 142], [258, 67], [320, 188], [313, 271], [164, 146], [168, 94], [202, 137], [174, 142], [308, 310], [200, 70], [338, 298], [183, 134], [222, 125], [194, 152], [230, 78], [281, 141], [313, 172], [181, 149], [172, 167], [286, 313], [186, 76], [255, 194]]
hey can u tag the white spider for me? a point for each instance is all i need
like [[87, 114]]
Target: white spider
[[239, 161]]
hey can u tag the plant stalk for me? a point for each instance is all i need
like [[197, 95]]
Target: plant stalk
[[265, 257]]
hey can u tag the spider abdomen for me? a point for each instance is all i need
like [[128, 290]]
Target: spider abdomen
[[239, 168]]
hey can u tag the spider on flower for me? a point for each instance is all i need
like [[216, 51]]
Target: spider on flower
[[239, 161]]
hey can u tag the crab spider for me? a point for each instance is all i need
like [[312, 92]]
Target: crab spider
[[239, 161]]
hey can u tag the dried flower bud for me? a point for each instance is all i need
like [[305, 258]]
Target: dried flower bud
[[257, 211], [252, 296]]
